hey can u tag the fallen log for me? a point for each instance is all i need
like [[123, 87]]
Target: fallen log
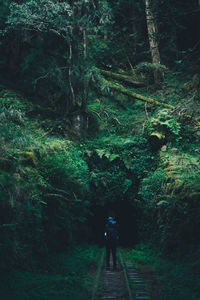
[[121, 89], [122, 77]]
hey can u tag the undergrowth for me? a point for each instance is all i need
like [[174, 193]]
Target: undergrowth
[[176, 279], [69, 275]]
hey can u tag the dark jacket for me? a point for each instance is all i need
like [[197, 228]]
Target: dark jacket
[[111, 233]]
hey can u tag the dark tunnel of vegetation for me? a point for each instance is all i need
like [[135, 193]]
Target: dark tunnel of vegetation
[[98, 117], [126, 218]]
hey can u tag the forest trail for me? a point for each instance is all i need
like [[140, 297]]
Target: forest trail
[[124, 283], [113, 285]]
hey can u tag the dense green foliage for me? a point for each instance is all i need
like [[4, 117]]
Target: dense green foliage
[[69, 274], [73, 149], [171, 278], [44, 182]]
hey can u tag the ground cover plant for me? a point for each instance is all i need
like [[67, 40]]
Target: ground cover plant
[[68, 275], [167, 278]]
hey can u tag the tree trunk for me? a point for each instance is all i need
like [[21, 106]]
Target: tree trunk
[[122, 77], [151, 28], [134, 26], [84, 94], [127, 92], [70, 79], [156, 140], [121, 89]]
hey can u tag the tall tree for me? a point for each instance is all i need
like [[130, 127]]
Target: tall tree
[[61, 33], [153, 42]]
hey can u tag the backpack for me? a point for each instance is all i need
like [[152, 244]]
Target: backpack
[[112, 232]]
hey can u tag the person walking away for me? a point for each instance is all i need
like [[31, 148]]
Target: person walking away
[[111, 238]]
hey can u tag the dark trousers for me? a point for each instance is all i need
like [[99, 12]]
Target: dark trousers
[[110, 249]]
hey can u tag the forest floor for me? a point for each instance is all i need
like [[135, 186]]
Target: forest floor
[[167, 278], [68, 275], [71, 275]]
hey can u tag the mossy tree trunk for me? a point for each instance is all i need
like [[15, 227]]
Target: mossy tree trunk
[[121, 89], [135, 29], [127, 92], [152, 35], [85, 87], [122, 77]]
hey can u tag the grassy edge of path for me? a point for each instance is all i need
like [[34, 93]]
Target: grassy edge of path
[[168, 278], [69, 275]]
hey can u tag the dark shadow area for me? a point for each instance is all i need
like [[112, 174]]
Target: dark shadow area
[[126, 217]]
